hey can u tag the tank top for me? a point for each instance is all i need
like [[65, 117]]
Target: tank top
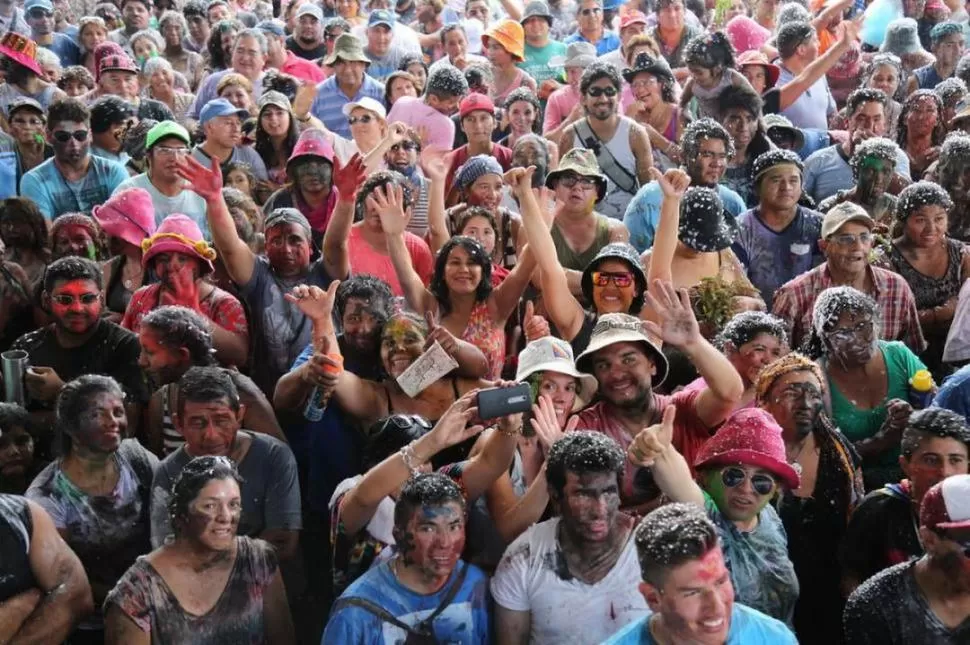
[[929, 291], [16, 530], [927, 77], [516, 83], [578, 260], [616, 200]]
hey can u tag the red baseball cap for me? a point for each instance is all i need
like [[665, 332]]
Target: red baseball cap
[[633, 18], [947, 505], [474, 102]]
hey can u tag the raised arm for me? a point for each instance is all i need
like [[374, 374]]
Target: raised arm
[[237, 257], [481, 471], [66, 593], [336, 254], [679, 328], [506, 296], [673, 184], [789, 93], [374, 160], [389, 200], [359, 504], [563, 309], [435, 168], [652, 448]]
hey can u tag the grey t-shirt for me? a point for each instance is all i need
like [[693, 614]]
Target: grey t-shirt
[[240, 154], [270, 489], [186, 202]]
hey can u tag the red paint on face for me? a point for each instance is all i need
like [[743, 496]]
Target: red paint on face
[[160, 361], [167, 265], [711, 566], [697, 600], [73, 239], [439, 538], [76, 305], [288, 249]]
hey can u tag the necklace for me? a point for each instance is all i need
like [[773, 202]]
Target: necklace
[[793, 460]]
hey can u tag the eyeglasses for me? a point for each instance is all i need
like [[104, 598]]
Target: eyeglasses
[[34, 123], [596, 92], [407, 145], [592, 11], [86, 299], [165, 151], [849, 239], [845, 334], [571, 181], [63, 136], [620, 279], [364, 118], [732, 477]]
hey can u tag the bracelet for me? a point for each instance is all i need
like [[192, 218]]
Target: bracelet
[[408, 456], [305, 119], [509, 433]]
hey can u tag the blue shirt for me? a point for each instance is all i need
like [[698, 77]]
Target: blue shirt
[[827, 171], [66, 49], [748, 627], [465, 621], [330, 101], [604, 45], [55, 196], [643, 213], [954, 394]]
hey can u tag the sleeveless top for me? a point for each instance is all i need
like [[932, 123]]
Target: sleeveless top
[[488, 336], [929, 291], [616, 200], [578, 260], [16, 530], [516, 83], [927, 77]]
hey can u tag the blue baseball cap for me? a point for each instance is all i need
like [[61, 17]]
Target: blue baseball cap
[[46, 5], [220, 107], [275, 27], [381, 17]]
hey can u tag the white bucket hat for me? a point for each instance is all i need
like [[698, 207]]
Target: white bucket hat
[[550, 354], [622, 328]]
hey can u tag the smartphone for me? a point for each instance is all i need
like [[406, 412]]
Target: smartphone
[[501, 401]]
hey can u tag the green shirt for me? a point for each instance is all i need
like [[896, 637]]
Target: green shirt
[[536, 63]]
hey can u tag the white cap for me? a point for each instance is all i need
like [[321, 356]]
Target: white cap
[[366, 103]]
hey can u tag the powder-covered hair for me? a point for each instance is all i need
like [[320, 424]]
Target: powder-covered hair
[[954, 157], [902, 130], [670, 536], [183, 327], [580, 453], [877, 147], [922, 193], [426, 489], [191, 480], [832, 303], [933, 423], [748, 325], [701, 130], [710, 51]]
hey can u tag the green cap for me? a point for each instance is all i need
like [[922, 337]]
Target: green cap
[[166, 129]]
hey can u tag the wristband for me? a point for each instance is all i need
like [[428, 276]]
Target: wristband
[[409, 458]]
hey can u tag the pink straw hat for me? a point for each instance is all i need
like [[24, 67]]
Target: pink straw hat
[[128, 215], [178, 234]]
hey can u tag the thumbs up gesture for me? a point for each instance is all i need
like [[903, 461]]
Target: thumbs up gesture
[[654, 441], [438, 333], [533, 325]]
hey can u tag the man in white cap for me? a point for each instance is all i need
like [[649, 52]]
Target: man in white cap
[[923, 601], [307, 39]]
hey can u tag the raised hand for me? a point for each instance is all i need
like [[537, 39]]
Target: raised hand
[[545, 422], [520, 179], [678, 325], [673, 183], [397, 132], [303, 100], [534, 326], [316, 303], [434, 164], [652, 442], [324, 368], [181, 288], [452, 428], [206, 182], [346, 179], [437, 333], [389, 202]]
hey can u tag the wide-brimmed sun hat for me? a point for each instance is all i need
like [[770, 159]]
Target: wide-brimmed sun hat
[[756, 58], [611, 329], [551, 354], [128, 215], [582, 162], [178, 234], [21, 50], [348, 48], [510, 35]]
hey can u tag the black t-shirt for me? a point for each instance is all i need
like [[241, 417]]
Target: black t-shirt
[[112, 351], [309, 54], [881, 533]]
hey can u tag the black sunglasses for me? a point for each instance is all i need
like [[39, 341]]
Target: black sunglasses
[[405, 421], [63, 136], [600, 91], [732, 477]]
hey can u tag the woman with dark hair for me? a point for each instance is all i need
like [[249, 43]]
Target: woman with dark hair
[[710, 61], [921, 130], [867, 379], [656, 109], [740, 110], [92, 31], [479, 224], [207, 584], [934, 264], [414, 65], [276, 135], [25, 236], [78, 235], [523, 113], [98, 491], [460, 295], [18, 464], [219, 47]]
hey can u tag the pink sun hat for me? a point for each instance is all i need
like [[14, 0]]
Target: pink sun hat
[[178, 234], [128, 215], [745, 34]]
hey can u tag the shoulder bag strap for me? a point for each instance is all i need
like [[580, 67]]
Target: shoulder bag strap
[[452, 592], [373, 608], [608, 163]]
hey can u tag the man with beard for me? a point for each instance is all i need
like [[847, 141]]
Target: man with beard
[[307, 39], [827, 170], [72, 181], [222, 124], [278, 329], [621, 145], [846, 242], [706, 147], [426, 593], [629, 366], [688, 587], [873, 166], [165, 143], [78, 341], [882, 531], [209, 415], [928, 600], [777, 239], [575, 574], [953, 174], [174, 339], [791, 390]]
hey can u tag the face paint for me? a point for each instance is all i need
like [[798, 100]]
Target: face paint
[[435, 536], [102, 424], [314, 176], [213, 516], [401, 343], [740, 504], [74, 240], [76, 305], [288, 249], [361, 324]]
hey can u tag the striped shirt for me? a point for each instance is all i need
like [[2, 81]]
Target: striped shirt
[[330, 101]]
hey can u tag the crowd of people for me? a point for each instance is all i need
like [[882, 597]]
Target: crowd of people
[[485, 321]]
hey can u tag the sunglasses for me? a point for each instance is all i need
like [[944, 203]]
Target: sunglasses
[[732, 477], [570, 181], [65, 300], [63, 136], [603, 278], [405, 421], [365, 118], [597, 92], [407, 145]]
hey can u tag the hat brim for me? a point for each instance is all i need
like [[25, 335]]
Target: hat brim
[[22, 59], [332, 59], [964, 524], [536, 15], [586, 279], [554, 176], [174, 246], [624, 336], [862, 219], [511, 47], [587, 382], [657, 70], [17, 107], [796, 134], [779, 469], [720, 240]]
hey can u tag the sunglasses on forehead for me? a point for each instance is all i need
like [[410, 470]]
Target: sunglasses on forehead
[[63, 136]]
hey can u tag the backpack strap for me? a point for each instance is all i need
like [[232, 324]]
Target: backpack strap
[[608, 163], [449, 596], [373, 608]]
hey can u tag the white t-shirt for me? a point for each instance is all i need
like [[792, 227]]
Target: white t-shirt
[[566, 611], [186, 202]]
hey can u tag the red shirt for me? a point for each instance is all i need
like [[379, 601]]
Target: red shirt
[[365, 259]]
